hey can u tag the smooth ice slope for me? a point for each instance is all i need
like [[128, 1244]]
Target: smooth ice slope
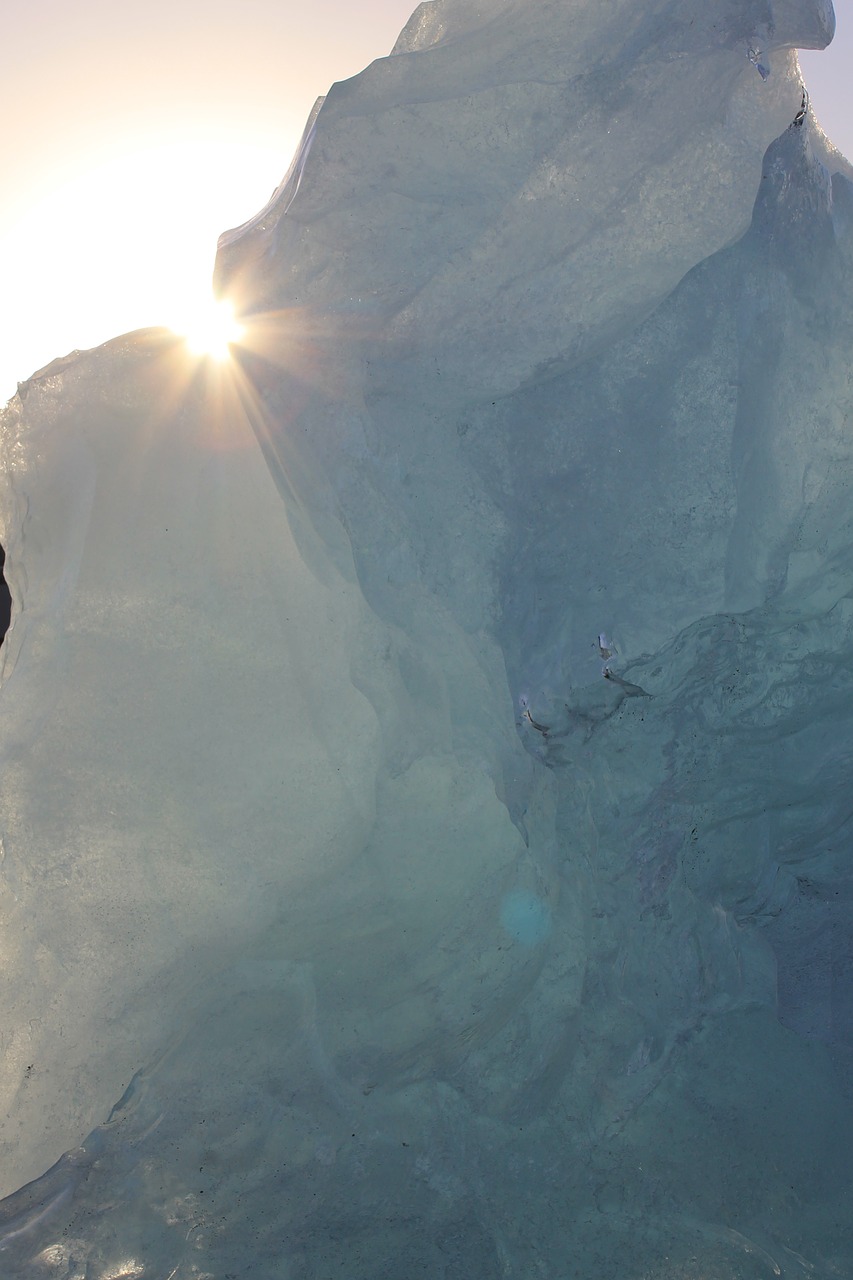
[[425, 744]]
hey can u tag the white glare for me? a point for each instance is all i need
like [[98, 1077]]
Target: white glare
[[130, 243], [211, 329]]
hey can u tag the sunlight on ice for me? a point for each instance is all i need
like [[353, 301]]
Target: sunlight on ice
[[426, 736], [133, 247]]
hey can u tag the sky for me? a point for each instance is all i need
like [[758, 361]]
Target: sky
[[134, 133]]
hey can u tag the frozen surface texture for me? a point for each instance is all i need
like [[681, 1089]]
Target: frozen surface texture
[[426, 742]]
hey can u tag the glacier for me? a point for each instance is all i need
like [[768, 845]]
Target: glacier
[[426, 739]]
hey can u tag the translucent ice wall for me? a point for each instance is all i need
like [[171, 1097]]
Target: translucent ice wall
[[426, 741]]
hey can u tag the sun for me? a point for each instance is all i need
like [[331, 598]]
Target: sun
[[211, 329]]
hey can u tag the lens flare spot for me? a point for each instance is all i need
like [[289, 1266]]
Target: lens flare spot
[[526, 917]]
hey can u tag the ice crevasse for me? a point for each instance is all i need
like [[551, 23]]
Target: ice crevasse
[[425, 741]]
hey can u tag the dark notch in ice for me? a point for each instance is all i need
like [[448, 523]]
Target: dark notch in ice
[[799, 118], [5, 599]]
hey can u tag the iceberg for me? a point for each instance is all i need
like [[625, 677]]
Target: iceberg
[[426, 737]]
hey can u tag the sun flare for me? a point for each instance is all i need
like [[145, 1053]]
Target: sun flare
[[212, 329]]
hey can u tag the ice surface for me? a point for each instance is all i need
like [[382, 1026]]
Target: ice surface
[[426, 744]]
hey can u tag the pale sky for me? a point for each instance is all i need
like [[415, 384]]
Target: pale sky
[[829, 78], [135, 132]]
